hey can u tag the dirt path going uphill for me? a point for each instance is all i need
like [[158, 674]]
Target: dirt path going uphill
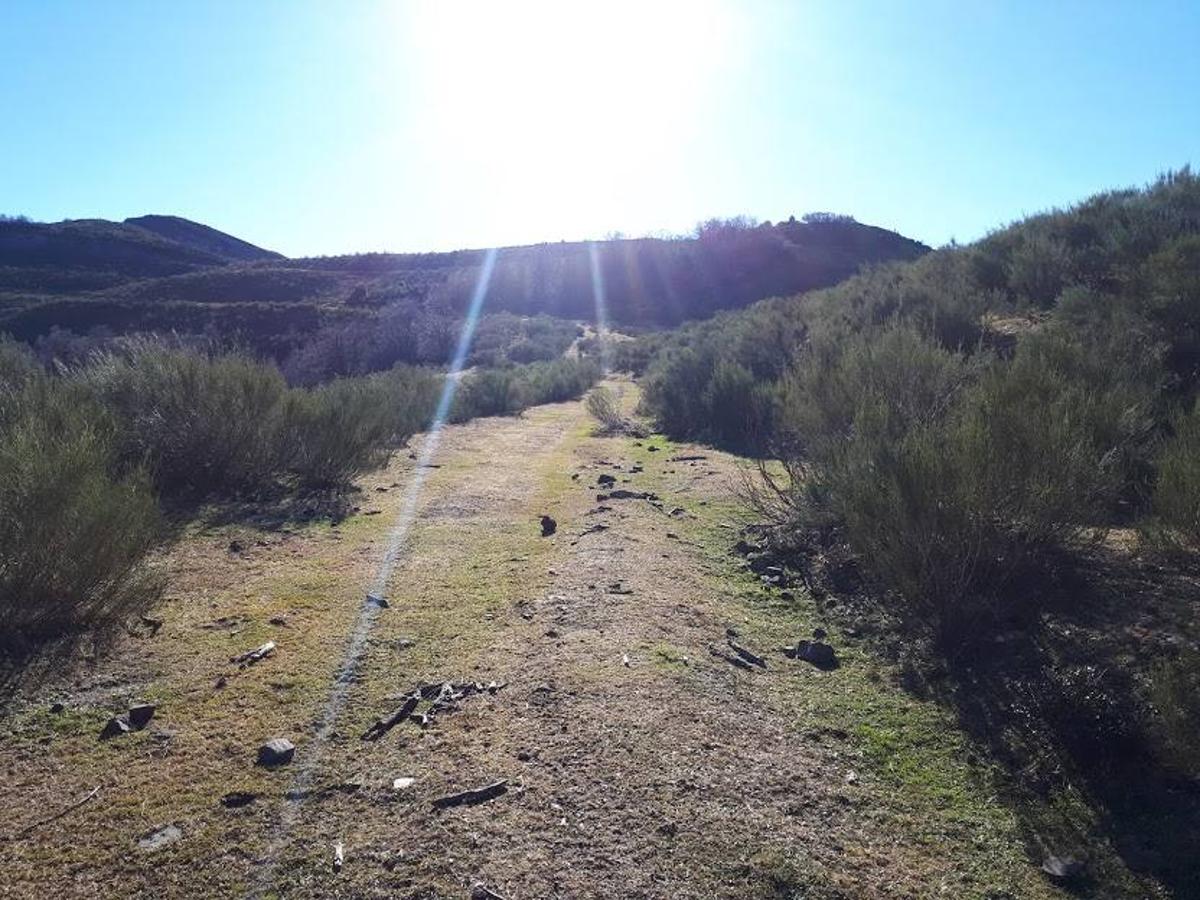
[[637, 764]]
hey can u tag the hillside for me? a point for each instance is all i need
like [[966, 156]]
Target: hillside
[[159, 273], [202, 237]]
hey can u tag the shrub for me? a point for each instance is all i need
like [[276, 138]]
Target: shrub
[[201, 425], [342, 429], [1175, 699], [74, 537], [949, 474], [1177, 492]]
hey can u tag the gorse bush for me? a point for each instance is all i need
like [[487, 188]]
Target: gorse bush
[[74, 535], [950, 473], [508, 391], [201, 425], [1177, 492], [340, 430]]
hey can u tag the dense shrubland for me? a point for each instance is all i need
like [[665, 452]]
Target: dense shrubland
[[957, 417], [88, 454]]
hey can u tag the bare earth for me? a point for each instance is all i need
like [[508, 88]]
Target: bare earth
[[637, 764]]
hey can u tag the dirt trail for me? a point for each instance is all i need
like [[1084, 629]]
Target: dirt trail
[[637, 764]]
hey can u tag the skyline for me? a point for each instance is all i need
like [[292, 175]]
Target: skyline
[[311, 130]]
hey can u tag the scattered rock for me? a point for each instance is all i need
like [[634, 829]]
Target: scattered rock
[[668, 829], [236, 799], [619, 587], [160, 838], [237, 547], [730, 658], [672, 535], [1062, 868], [549, 526], [819, 634], [480, 891], [687, 458], [377, 601], [606, 480], [652, 449], [276, 752], [277, 620], [753, 658], [250, 657], [140, 715], [114, 727], [57, 708], [820, 655], [524, 755], [403, 783], [624, 494], [472, 796]]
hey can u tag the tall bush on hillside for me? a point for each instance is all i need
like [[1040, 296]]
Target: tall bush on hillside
[[342, 429], [947, 474], [202, 425], [73, 537]]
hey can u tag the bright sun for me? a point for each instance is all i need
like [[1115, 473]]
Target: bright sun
[[563, 109]]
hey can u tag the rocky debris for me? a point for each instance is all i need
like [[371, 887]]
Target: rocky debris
[[692, 457], [382, 726], [153, 624], [625, 494], [473, 795], [819, 654], [237, 547], [619, 587], [672, 536], [480, 891], [549, 526], [377, 600], [595, 510], [225, 623], [653, 449], [749, 656], [636, 468], [403, 783], [339, 856], [276, 752], [592, 529], [115, 727], [140, 715], [606, 480], [732, 658], [159, 838], [250, 657], [57, 708], [1062, 868], [442, 696], [236, 799], [279, 621]]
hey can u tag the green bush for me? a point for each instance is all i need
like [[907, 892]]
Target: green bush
[[73, 536], [201, 425], [508, 391], [349, 426], [948, 474], [1175, 700], [1177, 492]]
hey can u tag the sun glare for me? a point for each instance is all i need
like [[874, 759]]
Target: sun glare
[[564, 110]]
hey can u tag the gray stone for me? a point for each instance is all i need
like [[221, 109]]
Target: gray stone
[[114, 727], [156, 840], [276, 752]]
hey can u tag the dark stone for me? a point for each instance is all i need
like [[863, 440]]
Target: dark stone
[[277, 620], [57, 708], [115, 727], [234, 799], [140, 715], [820, 655], [236, 547], [652, 449], [549, 526], [377, 600], [606, 480], [276, 752], [819, 634]]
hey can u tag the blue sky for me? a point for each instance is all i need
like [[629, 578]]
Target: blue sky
[[323, 127]]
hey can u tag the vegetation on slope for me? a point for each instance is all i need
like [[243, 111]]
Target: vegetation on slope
[[86, 455]]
